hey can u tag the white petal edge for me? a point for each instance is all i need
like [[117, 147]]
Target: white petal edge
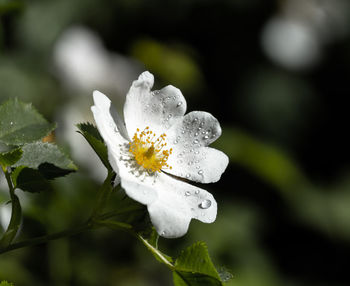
[[107, 127], [159, 109]]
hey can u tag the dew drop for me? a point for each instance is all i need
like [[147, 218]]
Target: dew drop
[[196, 152], [170, 115], [188, 176], [163, 233], [205, 204], [183, 131], [187, 193], [197, 167], [206, 137], [203, 132], [201, 124], [11, 123], [196, 134], [200, 172], [195, 141], [190, 163], [179, 104], [195, 119], [175, 142], [178, 138], [196, 192], [116, 129]]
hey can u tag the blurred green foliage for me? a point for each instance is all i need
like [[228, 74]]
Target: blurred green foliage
[[284, 201]]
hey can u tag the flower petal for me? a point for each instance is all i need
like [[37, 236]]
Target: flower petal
[[191, 159], [159, 109], [177, 203], [102, 111]]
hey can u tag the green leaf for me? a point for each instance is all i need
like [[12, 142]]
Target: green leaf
[[10, 158], [195, 268], [29, 180], [14, 224], [104, 194], [20, 123], [95, 140], [51, 161]]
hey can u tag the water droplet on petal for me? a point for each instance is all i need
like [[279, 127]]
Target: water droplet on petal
[[179, 104], [196, 134], [196, 192], [175, 142], [190, 163], [11, 123], [116, 129], [195, 141], [206, 137], [205, 204], [201, 124], [183, 131], [163, 232], [170, 115], [187, 193], [200, 172], [188, 176], [195, 119], [196, 152]]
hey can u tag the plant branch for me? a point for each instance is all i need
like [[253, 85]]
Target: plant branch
[[46, 238]]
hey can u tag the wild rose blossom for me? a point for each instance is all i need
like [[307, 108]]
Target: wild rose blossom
[[158, 149]]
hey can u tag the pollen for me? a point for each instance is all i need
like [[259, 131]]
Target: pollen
[[149, 150]]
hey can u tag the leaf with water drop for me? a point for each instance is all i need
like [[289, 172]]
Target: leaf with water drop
[[20, 123], [195, 268]]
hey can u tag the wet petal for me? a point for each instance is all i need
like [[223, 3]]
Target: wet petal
[[177, 203], [191, 159], [159, 109]]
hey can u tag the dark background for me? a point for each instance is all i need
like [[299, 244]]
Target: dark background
[[274, 73]]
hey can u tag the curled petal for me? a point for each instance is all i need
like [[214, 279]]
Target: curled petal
[[159, 109]]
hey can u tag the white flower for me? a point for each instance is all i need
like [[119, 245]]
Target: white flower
[[156, 147]]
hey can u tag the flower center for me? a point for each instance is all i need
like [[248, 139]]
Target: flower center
[[148, 150]]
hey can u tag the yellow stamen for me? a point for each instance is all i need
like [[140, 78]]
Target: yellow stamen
[[148, 150]]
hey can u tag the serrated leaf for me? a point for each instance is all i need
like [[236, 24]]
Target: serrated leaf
[[195, 268], [47, 158], [95, 140], [16, 216], [10, 158], [29, 180], [20, 123]]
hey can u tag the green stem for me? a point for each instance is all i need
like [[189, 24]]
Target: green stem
[[46, 238], [9, 182], [155, 252]]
